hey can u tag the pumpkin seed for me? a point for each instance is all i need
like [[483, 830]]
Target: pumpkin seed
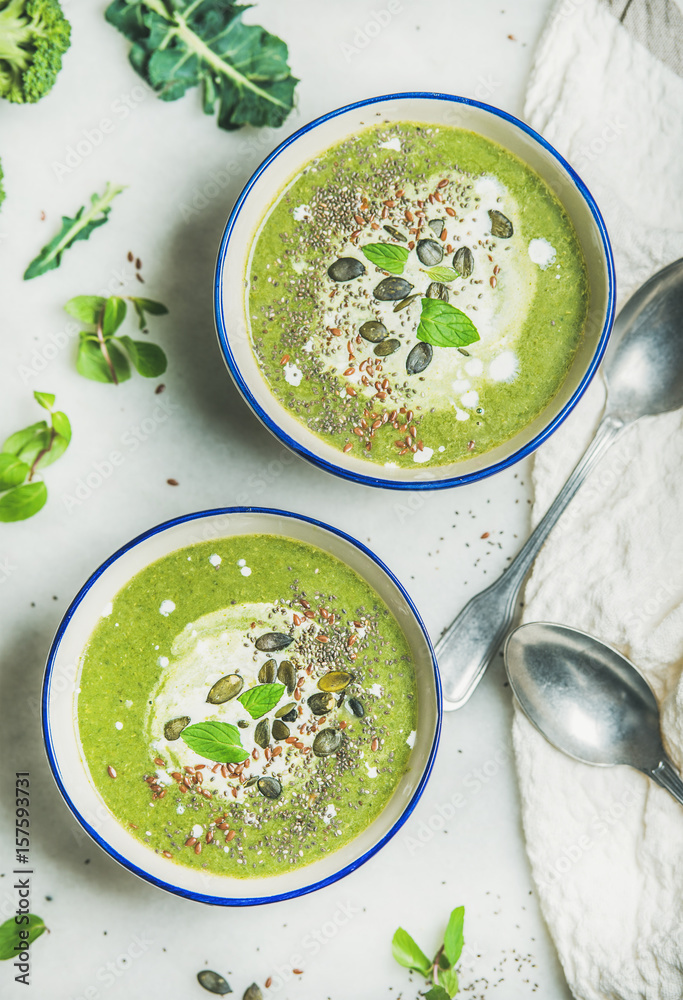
[[463, 261], [272, 642], [419, 358], [251, 781], [321, 703], [373, 331], [390, 289], [280, 730], [268, 672], [406, 302], [286, 710], [224, 689], [214, 983], [269, 787], [501, 227], [242, 723], [437, 290], [262, 733], [396, 233], [335, 680], [387, 347], [436, 226], [286, 674], [357, 707], [174, 727], [429, 252], [327, 742], [253, 992], [345, 269]]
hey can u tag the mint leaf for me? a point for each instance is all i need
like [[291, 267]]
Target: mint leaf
[[242, 69], [217, 741], [92, 363], [143, 306], [148, 359], [15, 442], [449, 980], [12, 471], [22, 502], [39, 442], [114, 315], [86, 308], [259, 700], [442, 274], [44, 399], [437, 993], [442, 325], [408, 954], [61, 424], [454, 940], [389, 257], [11, 943], [79, 227]]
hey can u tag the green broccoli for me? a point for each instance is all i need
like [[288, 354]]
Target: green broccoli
[[34, 34]]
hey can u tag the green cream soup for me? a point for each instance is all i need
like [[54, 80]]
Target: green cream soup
[[247, 705], [415, 294]]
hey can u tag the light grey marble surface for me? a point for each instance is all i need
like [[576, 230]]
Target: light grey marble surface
[[112, 936]]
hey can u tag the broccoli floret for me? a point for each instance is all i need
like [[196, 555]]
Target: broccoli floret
[[34, 34]]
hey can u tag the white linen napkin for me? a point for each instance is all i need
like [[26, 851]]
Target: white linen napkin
[[606, 845]]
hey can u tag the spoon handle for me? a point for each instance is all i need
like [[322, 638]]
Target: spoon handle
[[470, 642], [665, 775]]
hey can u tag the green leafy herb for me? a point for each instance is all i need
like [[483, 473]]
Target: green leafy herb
[[217, 741], [99, 347], [25, 453], [441, 970], [442, 325], [15, 937], [259, 700], [442, 274], [389, 257], [179, 44], [85, 221]]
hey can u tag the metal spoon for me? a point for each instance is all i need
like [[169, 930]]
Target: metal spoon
[[644, 372], [588, 700]]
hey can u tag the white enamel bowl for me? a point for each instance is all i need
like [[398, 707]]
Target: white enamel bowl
[[61, 683], [311, 140]]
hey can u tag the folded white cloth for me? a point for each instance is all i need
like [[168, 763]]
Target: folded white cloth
[[606, 845]]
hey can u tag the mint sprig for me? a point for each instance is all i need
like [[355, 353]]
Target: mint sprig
[[27, 452], [99, 347], [442, 325], [217, 741], [441, 970], [389, 257], [259, 700]]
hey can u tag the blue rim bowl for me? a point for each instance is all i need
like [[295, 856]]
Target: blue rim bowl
[[287, 159], [60, 687]]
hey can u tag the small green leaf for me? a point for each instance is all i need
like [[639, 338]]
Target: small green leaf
[[449, 980], [114, 315], [389, 257], [453, 938], [61, 424], [436, 993], [15, 442], [86, 308], [38, 443], [408, 954], [22, 502], [442, 325], [55, 450], [12, 471], [92, 363], [44, 399], [217, 741], [442, 274], [11, 940], [149, 359], [259, 700], [143, 306]]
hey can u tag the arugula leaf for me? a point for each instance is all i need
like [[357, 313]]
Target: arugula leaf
[[442, 274], [86, 308], [438, 993], [388, 256], [92, 363], [408, 954], [217, 741], [442, 325], [448, 978], [143, 306], [10, 941], [22, 502], [453, 940], [149, 359], [113, 315], [259, 700], [12, 471], [79, 228], [179, 44]]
